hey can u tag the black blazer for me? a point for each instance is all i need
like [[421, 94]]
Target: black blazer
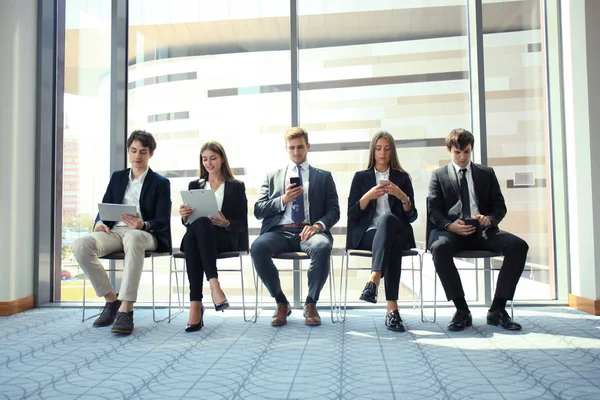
[[234, 208], [155, 203], [444, 195], [322, 198], [359, 220]]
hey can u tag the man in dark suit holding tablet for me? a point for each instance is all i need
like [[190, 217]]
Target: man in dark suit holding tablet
[[465, 207], [134, 235], [298, 205]]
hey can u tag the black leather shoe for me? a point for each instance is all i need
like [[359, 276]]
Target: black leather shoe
[[123, 323], [460, 320], [199, 325], [501, 318], [108, 314], [369, 293], [393, 322]]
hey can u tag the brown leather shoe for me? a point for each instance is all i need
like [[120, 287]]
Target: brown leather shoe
[[311, 315], [281, 314]]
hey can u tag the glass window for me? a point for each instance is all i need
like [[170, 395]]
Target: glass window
[[202, 55], [372, 65], [517, 133], [85, 163]]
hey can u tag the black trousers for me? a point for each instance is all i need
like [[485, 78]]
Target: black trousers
[[445, 244], [201, 243], [387, 243]]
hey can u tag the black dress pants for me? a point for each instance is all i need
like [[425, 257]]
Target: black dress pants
[[444, 245], [387, 243], [201, 243]]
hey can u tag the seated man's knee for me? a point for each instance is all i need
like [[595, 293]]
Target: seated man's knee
[[259, 247], [321, 246], [441, 246]]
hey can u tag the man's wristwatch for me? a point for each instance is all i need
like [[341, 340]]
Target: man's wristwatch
[[146, 226]]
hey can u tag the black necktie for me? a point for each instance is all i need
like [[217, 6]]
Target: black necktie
[[464, 194]]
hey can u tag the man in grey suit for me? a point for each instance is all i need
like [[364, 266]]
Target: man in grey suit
[[298, 205]]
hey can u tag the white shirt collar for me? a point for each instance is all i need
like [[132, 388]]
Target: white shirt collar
[[457, 168], [304, 166], [141, 177], [387, 171]]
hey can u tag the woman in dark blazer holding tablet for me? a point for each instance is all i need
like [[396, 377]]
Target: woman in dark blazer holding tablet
[[380, 210], [207, 236]]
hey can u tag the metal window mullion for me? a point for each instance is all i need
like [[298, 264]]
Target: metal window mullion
[[118, 92], [478, 112]]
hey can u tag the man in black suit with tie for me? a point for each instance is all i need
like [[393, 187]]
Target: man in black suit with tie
[[298, 205], [133, 234], [465, 207]]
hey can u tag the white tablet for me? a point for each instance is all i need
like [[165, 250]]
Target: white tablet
[[203, 201], [113, 212]]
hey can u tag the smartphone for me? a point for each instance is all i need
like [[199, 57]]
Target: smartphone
[[471, 221], [383, 181], [295, 180]]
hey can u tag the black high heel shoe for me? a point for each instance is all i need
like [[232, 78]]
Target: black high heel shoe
[[199, 325], [221, 306]]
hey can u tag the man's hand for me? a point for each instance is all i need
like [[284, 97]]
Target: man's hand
[[309, 231], [291, 192], [484, 221], [133, 222], [220, 220], [185, 211], [100, 227], [460, 228]]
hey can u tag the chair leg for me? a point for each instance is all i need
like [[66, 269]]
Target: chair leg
[[153, 303], [423, 318], [412, 275], [171, 261], [255, 280], [252, 319], [83, 308], [332, 297], [345, 272]]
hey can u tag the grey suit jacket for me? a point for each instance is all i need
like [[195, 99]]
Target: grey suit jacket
[[322, 197], [444, 205]]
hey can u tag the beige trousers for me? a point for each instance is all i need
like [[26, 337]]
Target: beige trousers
[[132, 242]]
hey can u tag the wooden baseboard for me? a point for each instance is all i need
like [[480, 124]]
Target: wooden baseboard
[[17, 306], [584, 304]]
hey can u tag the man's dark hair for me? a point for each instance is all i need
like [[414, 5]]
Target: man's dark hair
[[459, 138], [145, 138]]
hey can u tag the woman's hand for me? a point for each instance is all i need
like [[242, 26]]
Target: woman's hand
[[185, 211], [396, 191], [373, 194], [220, 221]]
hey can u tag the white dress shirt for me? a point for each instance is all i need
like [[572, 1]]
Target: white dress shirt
[[132, 193], [472, 198], [220, 195], [383, 204]]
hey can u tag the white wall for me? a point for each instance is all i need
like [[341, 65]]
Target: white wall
[[581, 90], [18, 30]]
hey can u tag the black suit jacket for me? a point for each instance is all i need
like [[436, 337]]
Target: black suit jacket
[[322, 197], [155, 203], [234, 208], [359, 220], [444, 202]]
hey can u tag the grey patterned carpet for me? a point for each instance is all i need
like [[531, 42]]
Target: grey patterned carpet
[[49, 354]]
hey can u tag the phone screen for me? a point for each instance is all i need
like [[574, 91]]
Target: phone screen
[[295, 180], [472, 222]]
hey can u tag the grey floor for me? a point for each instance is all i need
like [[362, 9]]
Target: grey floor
[[49, 354]]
